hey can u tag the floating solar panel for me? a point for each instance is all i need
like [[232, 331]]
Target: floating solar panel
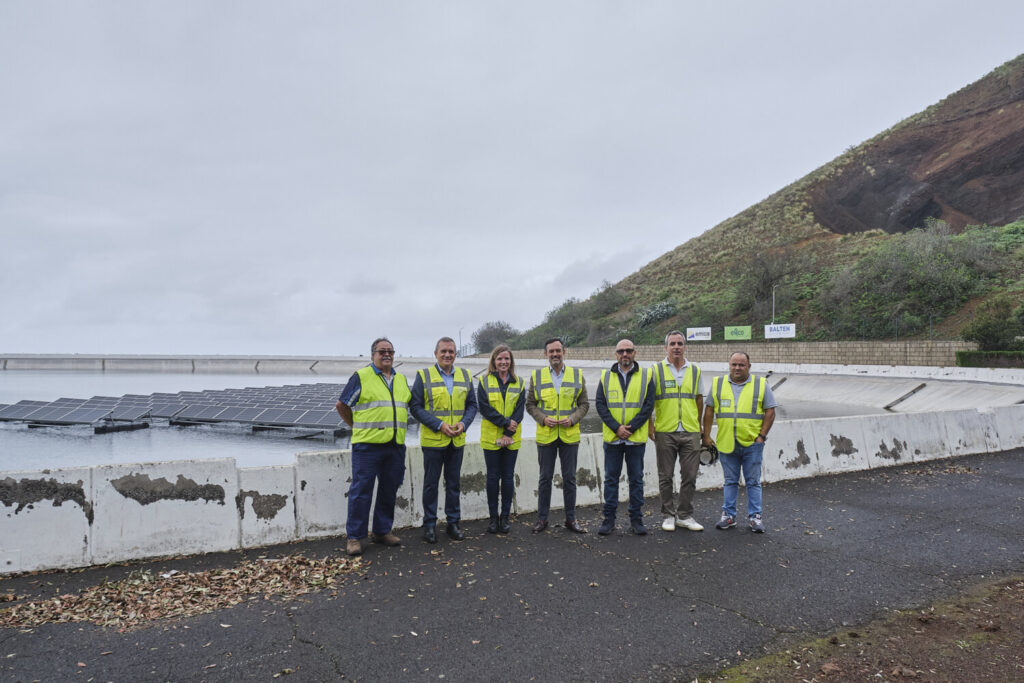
[[48, 413], [166, 409], [21, 409], [239, 414], [129, 412], [200, 412], [83, 416]]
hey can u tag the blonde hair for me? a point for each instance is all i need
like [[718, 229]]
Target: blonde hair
[[492, 368]]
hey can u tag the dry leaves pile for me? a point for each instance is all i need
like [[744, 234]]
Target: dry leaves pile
[[143, 596]]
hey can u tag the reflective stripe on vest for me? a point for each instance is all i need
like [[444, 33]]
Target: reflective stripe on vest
[[505, 405], [381, 412], [678, 402], [735, 426], [627, 404], [448, 408], [557, 405]]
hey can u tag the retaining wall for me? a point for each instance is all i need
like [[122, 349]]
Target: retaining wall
[[80, 516]]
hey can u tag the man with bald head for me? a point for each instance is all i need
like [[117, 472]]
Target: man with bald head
[[625, 402], [745, 408]]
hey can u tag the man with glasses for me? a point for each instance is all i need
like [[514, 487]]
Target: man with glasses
[[443, 401], [376, 403], [675, 430], [557, 400], [625, 402]]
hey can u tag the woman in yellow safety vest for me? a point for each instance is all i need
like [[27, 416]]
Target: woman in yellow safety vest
[[501, 397]]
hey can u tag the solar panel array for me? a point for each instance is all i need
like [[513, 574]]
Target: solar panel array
[[293, 405]]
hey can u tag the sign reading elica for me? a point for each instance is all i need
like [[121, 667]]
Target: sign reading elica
[[780, 331]]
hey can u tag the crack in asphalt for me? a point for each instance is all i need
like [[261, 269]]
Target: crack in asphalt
[[320, 646]]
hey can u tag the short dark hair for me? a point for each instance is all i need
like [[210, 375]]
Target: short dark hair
[[741, 353], [378, 340], [552, 341]]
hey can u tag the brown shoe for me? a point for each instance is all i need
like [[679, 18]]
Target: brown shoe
[[573, 525], [387, 539], [540, 526], [354, 547]]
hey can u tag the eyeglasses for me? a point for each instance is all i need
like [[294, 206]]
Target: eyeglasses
[[385, 352], [622, 351]]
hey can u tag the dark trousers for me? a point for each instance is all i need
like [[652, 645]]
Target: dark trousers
[[435, 460], [501, 470], [633, 454], [546, 455], [385, 465]]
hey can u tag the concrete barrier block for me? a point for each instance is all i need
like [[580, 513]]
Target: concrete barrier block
[[321, 497], [901, 438], [589, 471], [790, 453], [166, 508], [224, 365], [527, 476], [473, 500], [840, 444], [970, 431], [409, 502], [1009, 421], [266, 505], [46, 519], [55, 364], [709, 477], [284, 366], [148, 365]]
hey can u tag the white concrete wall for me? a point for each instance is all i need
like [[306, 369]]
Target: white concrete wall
[[112, 513]]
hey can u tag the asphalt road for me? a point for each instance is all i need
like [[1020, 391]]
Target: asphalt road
[[840, 550]]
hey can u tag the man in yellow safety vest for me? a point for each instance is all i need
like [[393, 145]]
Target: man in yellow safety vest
[[745, 408], [444, 402], [375, 401], [625, 401], [557, 400]]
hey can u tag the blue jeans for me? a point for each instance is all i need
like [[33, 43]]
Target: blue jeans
[[546, 455], [381, 463], [747, 458], [436, 460], [501, 470], [614, 453]]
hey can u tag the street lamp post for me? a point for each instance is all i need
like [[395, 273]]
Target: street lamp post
[[773, 303]]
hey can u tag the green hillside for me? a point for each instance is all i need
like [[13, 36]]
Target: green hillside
[[903, 235]]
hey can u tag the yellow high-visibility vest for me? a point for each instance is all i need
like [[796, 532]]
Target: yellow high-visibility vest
[[557, 404], [505, 405], [381, 413], [446, 407], [739, 418], [625, 405], [676, 402]]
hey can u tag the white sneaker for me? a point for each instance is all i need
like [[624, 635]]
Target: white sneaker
[[690, 523], [668, 524]]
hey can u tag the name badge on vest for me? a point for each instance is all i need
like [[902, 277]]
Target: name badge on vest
[[726, 402], [670, 384]]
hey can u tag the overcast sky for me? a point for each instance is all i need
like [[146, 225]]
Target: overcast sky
[[296, 178]]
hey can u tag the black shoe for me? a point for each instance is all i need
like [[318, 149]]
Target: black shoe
[[540, 526], [454, 532], [638, 527], [573, 525], [430, 534], [606, 527], [503, 525], [492, 528]]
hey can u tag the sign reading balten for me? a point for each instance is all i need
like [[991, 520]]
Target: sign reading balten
[[780, 331]]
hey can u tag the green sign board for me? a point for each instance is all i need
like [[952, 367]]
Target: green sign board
[[737, 332]]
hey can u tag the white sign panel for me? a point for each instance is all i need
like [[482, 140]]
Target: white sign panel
[[780, 331], [698, 334]]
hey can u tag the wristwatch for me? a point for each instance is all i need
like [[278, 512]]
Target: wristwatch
[[764, 437]]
